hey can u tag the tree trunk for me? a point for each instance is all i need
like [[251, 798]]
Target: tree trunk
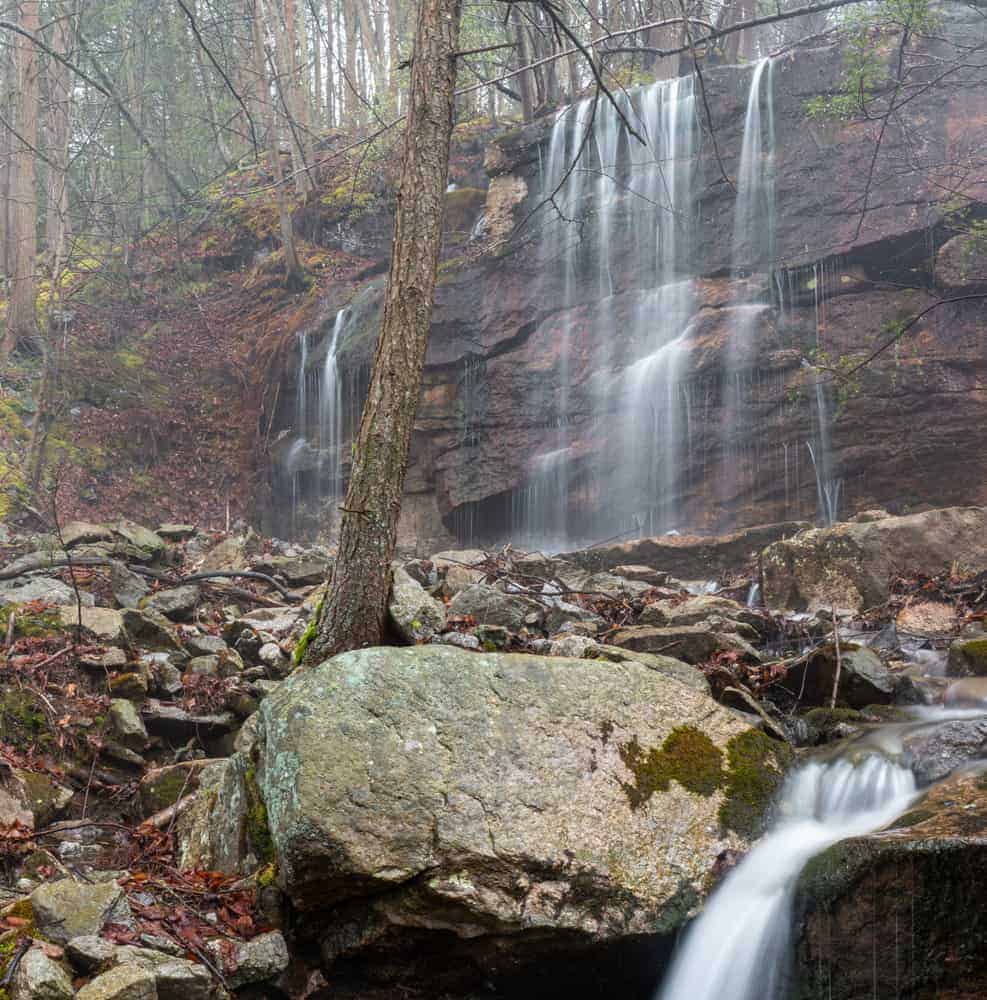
[[22, 324], [59, 127], [353, 614]]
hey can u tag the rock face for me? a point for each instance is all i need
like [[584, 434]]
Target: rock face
[[493, 397], [898, 913], [850, 566], [434, 798]]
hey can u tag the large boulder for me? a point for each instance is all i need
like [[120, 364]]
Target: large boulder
[[851, 566], [431, 798]]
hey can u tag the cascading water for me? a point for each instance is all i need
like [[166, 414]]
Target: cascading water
[[737, 949], [752, 253]]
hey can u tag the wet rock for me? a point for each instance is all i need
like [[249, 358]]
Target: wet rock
[[968, 657], [66, 909], [127, 725], [938, 750], [413, 614], [128, 588], [968, 692], [89, 953], [850, 566], [900, 906], [489, 606], [691, 643], [176, 603], [123, 982], [40, 978], [483, 794], [927, 618]]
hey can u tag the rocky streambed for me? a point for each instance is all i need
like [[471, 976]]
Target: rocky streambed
[[529, 793]]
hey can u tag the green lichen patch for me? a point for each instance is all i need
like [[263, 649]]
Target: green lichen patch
[[756, 766], [687, 756], [22, 719]]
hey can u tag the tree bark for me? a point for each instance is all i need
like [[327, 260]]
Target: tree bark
[[22, 324], [353, 614]]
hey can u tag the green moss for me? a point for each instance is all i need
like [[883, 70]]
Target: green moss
[[756, 766], [913, 818], [258, 830], [267, 876], [687, 756], [32, 624], [298, 654], [22, 718], [974, 651]]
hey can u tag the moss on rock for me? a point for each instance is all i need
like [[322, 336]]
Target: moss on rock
[[687, 756], [756, 766]]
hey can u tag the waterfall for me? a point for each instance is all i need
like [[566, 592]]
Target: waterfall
[[752, 252], [738, 948], [828, 487], [331, 415]]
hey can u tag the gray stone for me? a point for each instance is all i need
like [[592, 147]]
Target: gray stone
[[203, 666], [182, 980], [464, 640], [642, 574], [561, 612], [140, 537], [66, 909], [176, 603], [937, 751], [123, 982], [203, 645], [691, 643], [261, 959], [489, 606], [176, 532], [104, 623], [968, 656], [696, 610], [483, 794], [40, 588], [572, 645], [81, 532], [39, 978], [151, 630], [272, 656], [128, 588], [298, 571], [127, 725], [175, 723], [39, 793], [89, 952], [666, 665], [414, 615], [864, 679]]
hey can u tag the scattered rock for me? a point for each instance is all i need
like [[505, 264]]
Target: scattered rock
[[298, 571], [182, 980], [104, 623], [492, 637], [273, 657], [132, 686], [968, 656], [176, 603], [151, 630], [561, 613], [81, 532], [127, 725], [642, 574], [574, 646], [150, 543], [262, 958], [938, 750], [24, 589], [864, 679], [176, 532], [41, 794], [464, 640], [666, 665], [178, 725], [66, 909], [488, 605], [123, 982], [128, 588], [699, 610], [39, 978], [89, 953], [691, 643], [414, 615]]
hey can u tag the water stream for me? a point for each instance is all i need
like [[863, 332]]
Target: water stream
[[738, 948]]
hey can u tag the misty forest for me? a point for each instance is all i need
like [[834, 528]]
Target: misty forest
[[491, 499]]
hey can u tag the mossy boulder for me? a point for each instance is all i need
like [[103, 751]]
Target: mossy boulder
[[968, 657], [485, 794], [67, 909]]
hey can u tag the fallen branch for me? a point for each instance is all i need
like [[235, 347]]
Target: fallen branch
[[167, 816]]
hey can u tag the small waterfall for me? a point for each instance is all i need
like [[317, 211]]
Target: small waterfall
[[738, 948], [828, 487], [331, 416]]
